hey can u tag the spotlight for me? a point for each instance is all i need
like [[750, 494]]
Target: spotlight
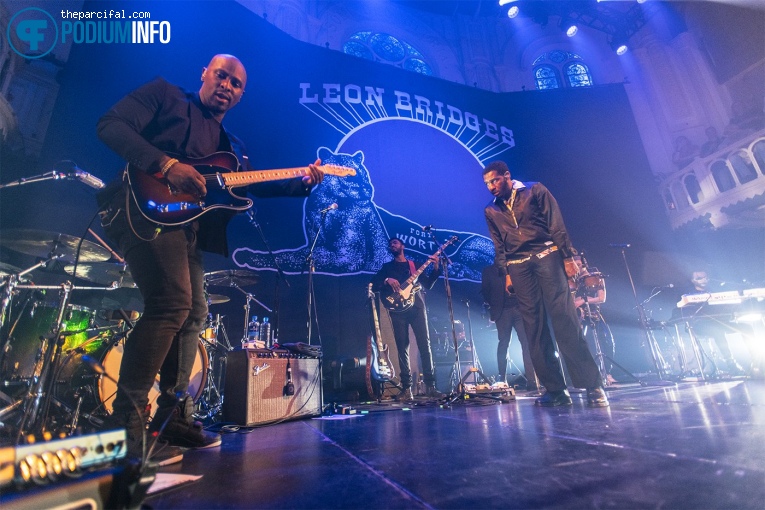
[[505, 2], [641, 1], [513, 12], [622, 49], [571, 31]]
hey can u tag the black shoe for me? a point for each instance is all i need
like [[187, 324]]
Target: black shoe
[[596, 397], [554, 399], [181, 429], [164, 454], [139, 441], [405, 395]]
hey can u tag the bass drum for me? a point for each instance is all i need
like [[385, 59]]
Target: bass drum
[[77, 380]]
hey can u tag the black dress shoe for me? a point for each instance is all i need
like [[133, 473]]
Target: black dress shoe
[[554, 399], [596, 397]]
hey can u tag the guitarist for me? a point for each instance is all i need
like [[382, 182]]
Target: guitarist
[[388, 280], [166, 262]]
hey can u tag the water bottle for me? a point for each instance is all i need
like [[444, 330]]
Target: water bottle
[[265, 332], [253, 331]]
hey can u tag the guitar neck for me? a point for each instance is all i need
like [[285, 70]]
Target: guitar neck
[[237, 179], [417, 273]]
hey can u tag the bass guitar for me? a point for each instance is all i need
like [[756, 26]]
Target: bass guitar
[[403, 300], [160, 202], [381, 368]]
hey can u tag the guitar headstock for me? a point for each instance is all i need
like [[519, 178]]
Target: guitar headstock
[[337, 170]]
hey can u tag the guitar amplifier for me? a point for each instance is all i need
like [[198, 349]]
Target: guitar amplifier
[[257, 389]]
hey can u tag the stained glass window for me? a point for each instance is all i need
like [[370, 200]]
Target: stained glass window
[[381, 47], [548, 68]]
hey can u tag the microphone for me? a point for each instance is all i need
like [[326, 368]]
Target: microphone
[[81, 175], [330, 208], [427, 228], [668, 286], [289, 387], [619, 245]]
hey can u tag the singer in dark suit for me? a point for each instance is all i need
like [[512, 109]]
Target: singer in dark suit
[[166, 262], [532, 243]]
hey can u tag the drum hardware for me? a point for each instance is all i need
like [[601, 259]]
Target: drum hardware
[[237, 278], [216, 343], [63, 326]]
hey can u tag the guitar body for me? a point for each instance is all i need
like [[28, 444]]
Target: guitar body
[[397, 302], [159, 202], [403, 300]]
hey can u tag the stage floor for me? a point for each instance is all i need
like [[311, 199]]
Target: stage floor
[[691, 445]]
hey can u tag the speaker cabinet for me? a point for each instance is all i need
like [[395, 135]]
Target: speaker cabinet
[[256, 387]]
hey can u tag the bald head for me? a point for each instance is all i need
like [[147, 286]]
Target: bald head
[[223, 82]]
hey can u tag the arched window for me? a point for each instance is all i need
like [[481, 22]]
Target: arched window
[[385, 48], [693, 188], [742, 165], [550, 66], [722, 176], [578, 75], [546, 78], [758, 150]]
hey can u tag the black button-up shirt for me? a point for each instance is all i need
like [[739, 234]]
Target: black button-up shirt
[[534, 224]]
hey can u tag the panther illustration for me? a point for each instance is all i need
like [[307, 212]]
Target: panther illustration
[[354, 237]]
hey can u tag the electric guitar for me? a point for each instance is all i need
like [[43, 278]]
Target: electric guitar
[[403, 300], [162, 203], [382, 370]]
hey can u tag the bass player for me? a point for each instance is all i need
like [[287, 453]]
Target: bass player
[[388, 281]]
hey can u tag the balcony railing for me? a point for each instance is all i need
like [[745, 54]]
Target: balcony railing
[[724, 188]]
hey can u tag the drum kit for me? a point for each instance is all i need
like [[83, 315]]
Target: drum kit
[[49, 343]]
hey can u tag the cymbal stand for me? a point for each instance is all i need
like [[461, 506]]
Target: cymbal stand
[[474, 355], [247, 306], [658, 360], [211, 401]]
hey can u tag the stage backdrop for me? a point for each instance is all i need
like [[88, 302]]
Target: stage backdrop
[[417, 144]]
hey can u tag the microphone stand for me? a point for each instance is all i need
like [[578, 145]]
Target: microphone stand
[[279, 275], [311, 269], [658, 360]]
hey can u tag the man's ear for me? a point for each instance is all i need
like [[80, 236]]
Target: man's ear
[[204, 71]]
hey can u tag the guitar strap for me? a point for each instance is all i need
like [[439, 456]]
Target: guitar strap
[[412, 270]]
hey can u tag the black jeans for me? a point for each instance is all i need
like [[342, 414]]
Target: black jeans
[[542, 290], [510, 319], [169, 274], [418, 320]]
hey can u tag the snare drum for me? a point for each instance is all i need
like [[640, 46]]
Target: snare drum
[[23, 353], [77, 379]]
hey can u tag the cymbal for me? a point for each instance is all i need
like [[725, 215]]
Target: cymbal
[[39, 243], [232, 277], [103, 273], [6, 269], [217, 299]]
